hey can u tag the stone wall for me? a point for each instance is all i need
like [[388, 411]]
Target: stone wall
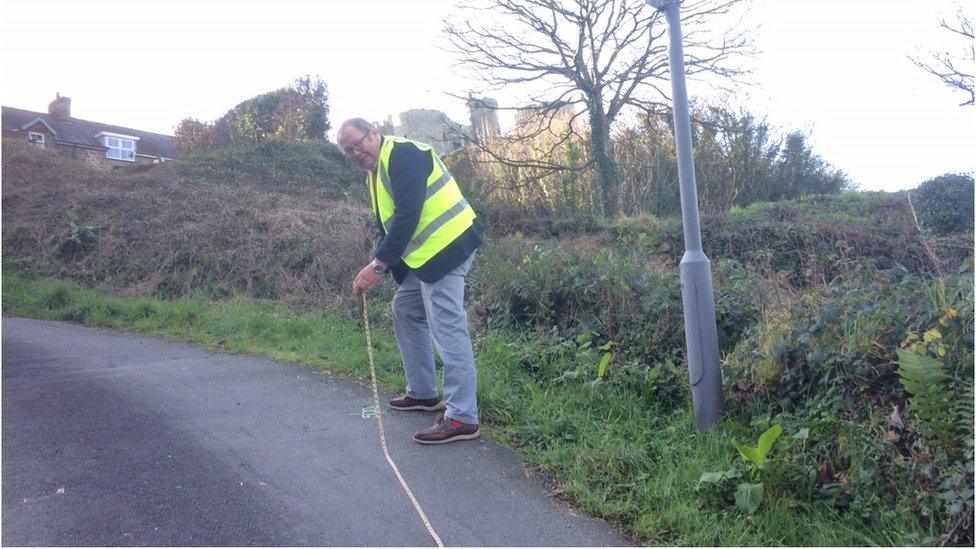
[[97, 159]]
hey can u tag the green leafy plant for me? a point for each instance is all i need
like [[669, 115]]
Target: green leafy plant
[[925, 379], [602, 368], [713, 487], [748, 496], [81, 238], [716, 477], [757, 455]]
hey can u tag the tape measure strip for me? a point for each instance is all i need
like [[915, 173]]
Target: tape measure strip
[[379, 423]]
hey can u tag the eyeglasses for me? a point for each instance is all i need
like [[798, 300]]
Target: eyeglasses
[[355, 146]]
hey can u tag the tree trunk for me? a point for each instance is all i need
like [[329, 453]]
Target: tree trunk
[[608, 173]]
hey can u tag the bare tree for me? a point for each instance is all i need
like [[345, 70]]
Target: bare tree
[[597, 56], [955, 69]]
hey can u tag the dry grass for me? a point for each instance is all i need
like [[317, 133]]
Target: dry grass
[[147, 229]]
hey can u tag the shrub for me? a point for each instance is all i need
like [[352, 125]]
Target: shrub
[[635, 304], [944, 204], [835, 350], [297, 112]]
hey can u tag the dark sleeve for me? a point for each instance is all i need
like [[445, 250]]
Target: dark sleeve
[[409, 169]]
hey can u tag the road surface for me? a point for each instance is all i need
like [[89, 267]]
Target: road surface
[[120, 439]]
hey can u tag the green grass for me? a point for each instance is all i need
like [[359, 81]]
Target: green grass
[[330, 340], [613, 452]]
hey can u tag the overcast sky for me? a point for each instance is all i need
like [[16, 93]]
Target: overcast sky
[[837, 69]]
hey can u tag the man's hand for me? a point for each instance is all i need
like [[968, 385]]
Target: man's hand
[[366, 280]]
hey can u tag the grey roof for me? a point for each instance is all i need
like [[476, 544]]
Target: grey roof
[[81, 133]]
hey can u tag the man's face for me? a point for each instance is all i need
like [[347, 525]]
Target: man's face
[[362, 147]]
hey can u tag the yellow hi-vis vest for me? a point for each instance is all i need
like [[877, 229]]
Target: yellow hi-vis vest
[[444, 216]]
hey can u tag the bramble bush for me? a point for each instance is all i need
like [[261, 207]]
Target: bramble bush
[[808, 242], [831, 365], [527, 284]]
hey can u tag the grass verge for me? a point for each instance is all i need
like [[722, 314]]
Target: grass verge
[[327, 339]]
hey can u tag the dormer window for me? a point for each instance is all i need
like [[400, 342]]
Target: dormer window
[[120, 147], [36, 138]]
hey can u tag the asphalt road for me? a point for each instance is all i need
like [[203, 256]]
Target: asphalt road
[[119, 439]]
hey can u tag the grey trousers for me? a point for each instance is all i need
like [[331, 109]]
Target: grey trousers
[[432, 315]]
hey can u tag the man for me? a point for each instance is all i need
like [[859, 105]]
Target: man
[[428, 243]]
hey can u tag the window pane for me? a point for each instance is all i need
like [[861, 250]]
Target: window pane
[[127, 144], [129, 155], [112, 142]]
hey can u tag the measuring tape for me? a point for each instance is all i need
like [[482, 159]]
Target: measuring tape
[[379, 423]]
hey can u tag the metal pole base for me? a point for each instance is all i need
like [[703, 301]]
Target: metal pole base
[[701, 338]]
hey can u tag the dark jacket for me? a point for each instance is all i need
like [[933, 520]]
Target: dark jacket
[[409, 168]]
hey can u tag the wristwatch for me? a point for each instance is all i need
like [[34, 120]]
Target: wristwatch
[[377, 268]]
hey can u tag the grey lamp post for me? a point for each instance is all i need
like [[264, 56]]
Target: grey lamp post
[[701, 336]]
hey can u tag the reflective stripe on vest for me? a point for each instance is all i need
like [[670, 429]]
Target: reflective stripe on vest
[[431, 189], [444, 216]]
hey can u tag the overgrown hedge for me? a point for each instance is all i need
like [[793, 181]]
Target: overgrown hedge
[[530, 284]]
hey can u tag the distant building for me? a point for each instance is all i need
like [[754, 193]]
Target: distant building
[[437, 130], [101, 145], [427, 126]]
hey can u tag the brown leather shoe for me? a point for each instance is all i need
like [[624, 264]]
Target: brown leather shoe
[[407, 403], [447, 430]]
